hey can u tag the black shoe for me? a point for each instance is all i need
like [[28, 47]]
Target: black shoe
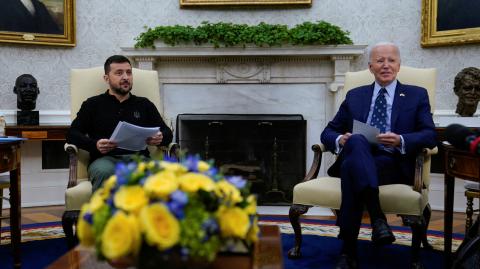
[[381, 233], [346, 262]]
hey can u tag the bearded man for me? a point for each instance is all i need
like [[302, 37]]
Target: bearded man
[[99, 115]]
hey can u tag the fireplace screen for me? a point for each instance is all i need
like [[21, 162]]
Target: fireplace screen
[[267, 150]]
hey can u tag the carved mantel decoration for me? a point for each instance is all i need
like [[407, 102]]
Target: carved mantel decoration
[[279, 65]]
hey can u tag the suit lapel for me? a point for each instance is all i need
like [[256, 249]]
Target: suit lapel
[[398, 103], [366, 102]]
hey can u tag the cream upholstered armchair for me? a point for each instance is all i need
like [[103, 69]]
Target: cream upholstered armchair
[[410, 202], [85, 83]]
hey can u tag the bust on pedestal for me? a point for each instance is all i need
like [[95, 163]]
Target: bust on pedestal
[[467, 88], [27, 90]]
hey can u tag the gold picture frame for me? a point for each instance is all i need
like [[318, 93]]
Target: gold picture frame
[[205, 3], [446, 22], [54, 23]]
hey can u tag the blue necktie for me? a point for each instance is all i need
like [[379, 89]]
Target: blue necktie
[[379, 116]]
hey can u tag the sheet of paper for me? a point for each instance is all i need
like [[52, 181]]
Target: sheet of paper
[[366, 130], [132, 137]]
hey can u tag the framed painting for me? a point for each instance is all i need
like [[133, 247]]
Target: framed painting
[[450, 22], [204, 3], [39, 22]]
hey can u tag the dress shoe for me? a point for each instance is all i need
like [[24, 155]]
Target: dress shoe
[[346, 262], [381, 233]]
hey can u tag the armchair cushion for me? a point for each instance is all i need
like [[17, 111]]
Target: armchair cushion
[[394, 198], [77, 195]]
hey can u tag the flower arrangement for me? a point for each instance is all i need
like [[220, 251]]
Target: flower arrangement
[[187, 207]]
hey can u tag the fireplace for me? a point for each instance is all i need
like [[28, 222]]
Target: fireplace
[[267, 150], [295, 80]]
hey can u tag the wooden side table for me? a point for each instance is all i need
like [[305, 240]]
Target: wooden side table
[[10, 162], [38, 132], [464, 165]]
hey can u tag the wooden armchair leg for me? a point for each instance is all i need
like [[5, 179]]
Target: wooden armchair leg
[[417, 224], [69, 220], [427, 213], [469, 213], [294, 214]]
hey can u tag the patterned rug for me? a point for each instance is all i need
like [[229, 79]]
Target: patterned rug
[[50, 230], [33, 232], [327, 228]]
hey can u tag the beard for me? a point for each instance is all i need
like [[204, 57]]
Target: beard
[[120, 90]]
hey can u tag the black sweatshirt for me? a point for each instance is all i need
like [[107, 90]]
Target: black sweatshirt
[[99, 115]]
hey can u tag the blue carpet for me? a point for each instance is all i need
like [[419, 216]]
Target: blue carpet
[[322, 252], [317, 251], [35, 254]]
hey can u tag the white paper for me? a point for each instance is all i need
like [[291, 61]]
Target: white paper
[[366, 130], [132, 137]]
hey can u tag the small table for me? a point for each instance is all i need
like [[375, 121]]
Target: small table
[[38, 132], [267, 255], [10, 162], [464, 165]]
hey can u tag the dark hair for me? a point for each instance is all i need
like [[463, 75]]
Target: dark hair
[[115, 59], [19, 78]]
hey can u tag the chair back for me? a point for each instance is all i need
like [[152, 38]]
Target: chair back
[[423, 77], [88, 82]]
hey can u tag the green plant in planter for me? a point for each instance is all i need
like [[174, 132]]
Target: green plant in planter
[[229, 34]]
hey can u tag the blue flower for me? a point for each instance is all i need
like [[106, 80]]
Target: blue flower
[[191, 162], [237, 181], [88, 217], [177, 204]]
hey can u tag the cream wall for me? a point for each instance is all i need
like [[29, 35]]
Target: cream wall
[[105, 26]]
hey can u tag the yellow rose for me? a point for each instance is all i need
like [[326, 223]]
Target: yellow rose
[[202, 166], [192, 182], [84, 229], [174, 167], [130, 198], [252, 205], [109, 184], [233, 222], [120, 237], [228, 191], [161, 228], [252, 234], [97, 200], [161, 184], [151, 164], [141, 167]]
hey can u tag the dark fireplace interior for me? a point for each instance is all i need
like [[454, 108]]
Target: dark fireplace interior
[[267, 150]]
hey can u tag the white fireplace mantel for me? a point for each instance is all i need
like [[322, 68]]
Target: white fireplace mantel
[[289, 64], [306, 80]]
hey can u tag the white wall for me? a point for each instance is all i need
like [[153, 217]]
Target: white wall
[[105, 26]]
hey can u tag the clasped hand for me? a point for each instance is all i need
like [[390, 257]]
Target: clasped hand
[[388, 139]]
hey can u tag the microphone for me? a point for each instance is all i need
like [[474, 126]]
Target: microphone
[[463, 138]]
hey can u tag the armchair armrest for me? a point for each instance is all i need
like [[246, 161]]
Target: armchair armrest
[[72, 151], [422, 157], [318, 150]]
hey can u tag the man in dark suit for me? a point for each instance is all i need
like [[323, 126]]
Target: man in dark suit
[[29, 16], [402, 113]]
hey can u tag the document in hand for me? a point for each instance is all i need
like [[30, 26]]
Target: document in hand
[[366, 130], [132, 137]]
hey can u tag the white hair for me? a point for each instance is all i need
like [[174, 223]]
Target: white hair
[[379, 44]]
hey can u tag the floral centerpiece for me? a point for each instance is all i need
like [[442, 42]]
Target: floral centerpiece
[[163, 208]]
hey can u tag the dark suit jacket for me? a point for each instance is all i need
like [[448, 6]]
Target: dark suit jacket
[[411, 118], [15, 17]]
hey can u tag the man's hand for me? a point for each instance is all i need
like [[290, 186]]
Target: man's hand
[[344, 139], [389, 139], [155, 140], [105, 145]]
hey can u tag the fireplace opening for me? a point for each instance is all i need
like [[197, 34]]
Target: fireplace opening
[[267, 150]]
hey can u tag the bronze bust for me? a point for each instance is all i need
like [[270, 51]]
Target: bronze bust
[[467, 88], [27, 90]]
